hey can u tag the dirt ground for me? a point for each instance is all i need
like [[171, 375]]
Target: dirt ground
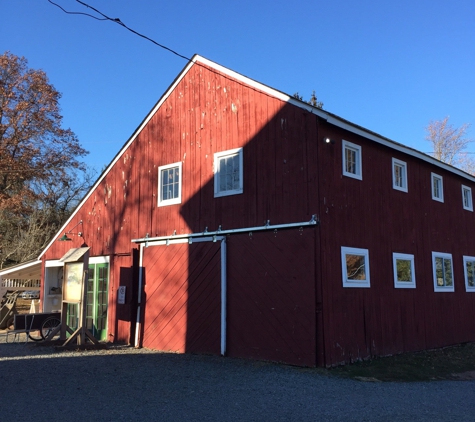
[[449, 363]]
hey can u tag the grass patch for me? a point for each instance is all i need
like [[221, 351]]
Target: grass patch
[[455, 363]]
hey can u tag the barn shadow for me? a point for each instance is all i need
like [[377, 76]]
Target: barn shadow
[[270, 300]]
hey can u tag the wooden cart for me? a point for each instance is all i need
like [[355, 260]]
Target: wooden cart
[[37, 326], [8, 310]]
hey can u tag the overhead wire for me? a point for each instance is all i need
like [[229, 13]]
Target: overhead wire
[[119, 22], [77, 13]]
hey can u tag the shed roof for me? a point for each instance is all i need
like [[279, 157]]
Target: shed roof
[[25, 271]]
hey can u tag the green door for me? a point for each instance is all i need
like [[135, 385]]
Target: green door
[[97, 300]]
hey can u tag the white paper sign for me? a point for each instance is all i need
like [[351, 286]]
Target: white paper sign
[[121, 295]]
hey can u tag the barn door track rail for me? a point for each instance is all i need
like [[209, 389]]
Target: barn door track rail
[[181, 238]]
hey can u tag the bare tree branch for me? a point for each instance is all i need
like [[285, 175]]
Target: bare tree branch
[[449, 144]]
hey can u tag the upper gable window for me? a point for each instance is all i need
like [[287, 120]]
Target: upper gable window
[[399, 175], [352, 160], [355, 267], [228, 175], [437, 187], [467, 198], [169, 184]]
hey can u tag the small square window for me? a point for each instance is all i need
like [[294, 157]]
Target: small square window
[[169, 184], [469, 270], [355, 267], [399, 175], [228, 173], [352, 160], [443, 272], [467, 198], [437, 187], [404, 276]]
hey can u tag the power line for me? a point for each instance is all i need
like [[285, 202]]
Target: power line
[[119, 22], [77, 13]]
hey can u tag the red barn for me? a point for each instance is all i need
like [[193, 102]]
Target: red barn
[[244, 222]]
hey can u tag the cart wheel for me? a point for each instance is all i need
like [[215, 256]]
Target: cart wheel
[[48, 325], [35, 335]]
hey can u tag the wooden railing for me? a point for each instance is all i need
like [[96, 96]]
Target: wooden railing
[[20, 284]]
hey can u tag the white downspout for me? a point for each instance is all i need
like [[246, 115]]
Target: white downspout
[[223, 296], [139, 297]]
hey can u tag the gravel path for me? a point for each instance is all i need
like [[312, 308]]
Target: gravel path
[[120, 383]]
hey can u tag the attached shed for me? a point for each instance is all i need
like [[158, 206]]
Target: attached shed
[[22, 277], [244, 222]]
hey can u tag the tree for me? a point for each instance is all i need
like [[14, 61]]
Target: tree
[[449, 144], [313, 100], [41, 175]]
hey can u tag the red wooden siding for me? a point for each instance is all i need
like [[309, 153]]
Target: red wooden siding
[[289, 174], [122, 317], [182, 294], [271, 296], [370, 214]]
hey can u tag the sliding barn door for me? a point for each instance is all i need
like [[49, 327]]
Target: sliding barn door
[[183, 297], [271, 296]]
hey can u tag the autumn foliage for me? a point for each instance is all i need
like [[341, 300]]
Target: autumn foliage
[[39, 159]]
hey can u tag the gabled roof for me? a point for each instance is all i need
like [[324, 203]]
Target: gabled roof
[[329, 117]]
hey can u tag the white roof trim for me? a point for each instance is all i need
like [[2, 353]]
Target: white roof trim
[[331, 118], [124, 148], [25, 269]]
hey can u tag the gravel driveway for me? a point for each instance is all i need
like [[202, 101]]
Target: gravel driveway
[[120, 383]]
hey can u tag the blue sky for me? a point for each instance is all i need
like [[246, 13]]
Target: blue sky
[[388, 66]]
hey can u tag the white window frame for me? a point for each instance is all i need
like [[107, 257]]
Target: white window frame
[[433, 178], [172, 201], [217, 157], [347, 282], [467, 259], [358, 174], [445, 256], [405, 284], [467, 200], [403, 166]]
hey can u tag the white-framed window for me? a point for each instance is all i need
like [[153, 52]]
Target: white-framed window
[[437, 187], [355, 267], [228, 172], [443, 273], [352, 160], [404, 274], [169, 184], [399, 175], [467, 198], [469, 271]]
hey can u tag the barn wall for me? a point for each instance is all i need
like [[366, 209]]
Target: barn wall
[[206, 113], [271, 296], [370, 214], [289, 175]]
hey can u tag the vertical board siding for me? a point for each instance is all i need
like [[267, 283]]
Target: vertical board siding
[[289, 174], [370, 214], [271, 296], [182, 291]]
